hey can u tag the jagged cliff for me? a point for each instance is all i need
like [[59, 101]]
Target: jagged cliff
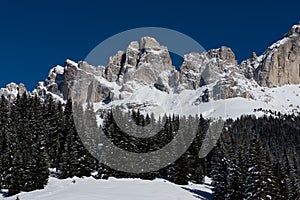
[[280, 64], [147, 63]]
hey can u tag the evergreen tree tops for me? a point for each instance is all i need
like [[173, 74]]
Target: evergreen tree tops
[[255, 158]]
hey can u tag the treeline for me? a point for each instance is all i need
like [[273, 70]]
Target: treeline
[[36, 136], [254, 158], [189, 167], [257, 159]]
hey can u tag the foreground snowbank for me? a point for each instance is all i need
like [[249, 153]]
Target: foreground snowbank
[[116, 189]]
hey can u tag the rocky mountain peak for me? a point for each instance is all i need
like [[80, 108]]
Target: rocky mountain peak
[[143, 62], [295, 30], [206, 68], [224, 53], [280, 63], [253, 56], [12, 90], [149, 43]]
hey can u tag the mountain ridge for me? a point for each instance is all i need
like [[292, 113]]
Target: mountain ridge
[[214, 75]]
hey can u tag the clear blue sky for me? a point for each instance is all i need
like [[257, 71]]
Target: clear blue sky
[[37, 35]]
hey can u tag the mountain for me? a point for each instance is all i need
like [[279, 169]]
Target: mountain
[[212, 83], [280, 64]]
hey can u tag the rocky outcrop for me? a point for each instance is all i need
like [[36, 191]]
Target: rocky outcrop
[[143, 62], [280, 64], [82, 85], [146, 61], [191, 70], [248, 66], [205, 68], [217, 67], [229, 89], [53, 81], [114, 66], [12, 90], [224, 54]]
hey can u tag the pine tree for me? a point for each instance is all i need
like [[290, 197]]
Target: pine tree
[[291, 179], [16, 178], [280, 182], [259, 181], [219, 173], [53, 123], [91, 134], [37, 168], [76, 160], [4, 152], [19, 146]]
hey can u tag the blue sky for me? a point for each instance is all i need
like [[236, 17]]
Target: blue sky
[[37, 35]]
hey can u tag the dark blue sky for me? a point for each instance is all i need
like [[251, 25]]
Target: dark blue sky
[[37, 35]]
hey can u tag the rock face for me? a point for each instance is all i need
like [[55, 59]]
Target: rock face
[[146, 63], [191, 69], [114, 66], [217, 67], [202, 69], [280, 64]]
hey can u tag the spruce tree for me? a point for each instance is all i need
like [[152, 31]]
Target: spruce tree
[[219, 173], [4, 139]]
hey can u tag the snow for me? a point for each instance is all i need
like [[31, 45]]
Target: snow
[[57, 70], [42, 87], [279, 43], [283, 99], [71, 62], [117, 189]]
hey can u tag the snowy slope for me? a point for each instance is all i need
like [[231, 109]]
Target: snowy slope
[[116, 189], [283, 99]]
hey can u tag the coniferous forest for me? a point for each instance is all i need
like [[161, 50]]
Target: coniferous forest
[[255, 158]]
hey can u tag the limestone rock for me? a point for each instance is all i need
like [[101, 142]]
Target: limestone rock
[[248, 66], [281, 62], [191, 69], [97, 71], [153, 59], [229, 89], [205, 68], [114, 66], [12, 90], [223, 53], [22, 89]]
